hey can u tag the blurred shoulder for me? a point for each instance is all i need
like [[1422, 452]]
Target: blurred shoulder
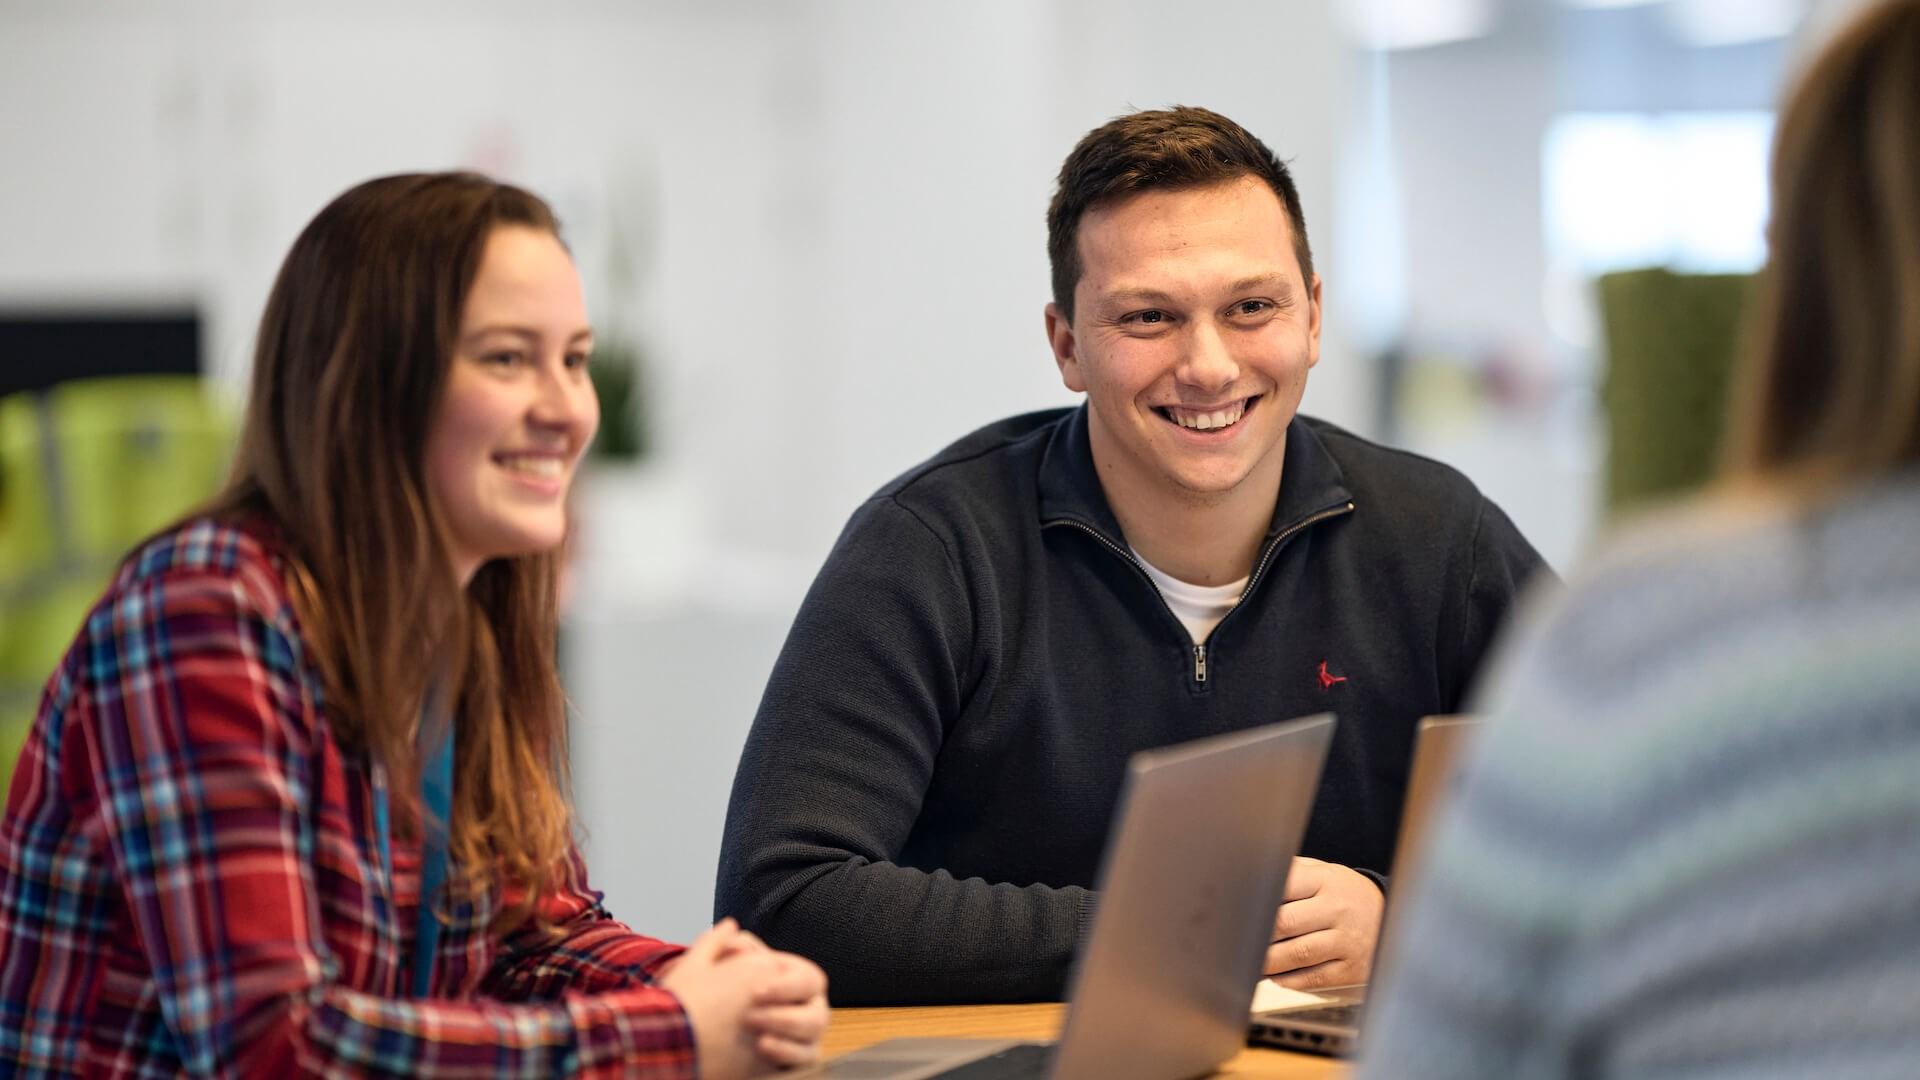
[[242, 557], [206, 596], [1741, 592]]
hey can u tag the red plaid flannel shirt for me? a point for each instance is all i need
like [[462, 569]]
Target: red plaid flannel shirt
[[190, 877]]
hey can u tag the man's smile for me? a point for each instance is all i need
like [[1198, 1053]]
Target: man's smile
[[1212, 418]]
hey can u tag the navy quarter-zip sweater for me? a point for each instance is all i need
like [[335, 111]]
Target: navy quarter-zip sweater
[[925, 793]]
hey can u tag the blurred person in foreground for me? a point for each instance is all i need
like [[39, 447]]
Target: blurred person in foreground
[[1689, 843], [925, 793], [294, 801]]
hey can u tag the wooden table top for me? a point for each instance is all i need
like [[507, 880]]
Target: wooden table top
[[855, 1028]]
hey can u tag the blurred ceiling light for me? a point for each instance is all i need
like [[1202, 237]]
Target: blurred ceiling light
[[1707, 23], [1608, 3], [1414, 24]]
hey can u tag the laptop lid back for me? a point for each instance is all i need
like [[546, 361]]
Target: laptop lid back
[[1439, 750], [1195, 868]]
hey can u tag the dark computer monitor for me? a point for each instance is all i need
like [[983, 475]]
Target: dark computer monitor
[[41, 348]]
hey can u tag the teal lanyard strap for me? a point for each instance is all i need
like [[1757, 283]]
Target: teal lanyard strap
[[436, 793], [436, 789]]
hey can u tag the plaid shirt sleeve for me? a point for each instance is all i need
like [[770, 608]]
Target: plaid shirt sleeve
[[201, 750], [587, 950]]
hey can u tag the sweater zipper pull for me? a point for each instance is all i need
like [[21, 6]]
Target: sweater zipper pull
[[1199, 663]]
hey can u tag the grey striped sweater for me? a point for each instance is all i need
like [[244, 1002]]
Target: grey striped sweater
[[1689, 842]]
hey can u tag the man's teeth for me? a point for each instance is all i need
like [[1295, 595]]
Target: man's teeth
[[534, 466], [1208, 421]]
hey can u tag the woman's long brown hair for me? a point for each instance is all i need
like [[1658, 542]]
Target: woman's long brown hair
[[348, 374], [1829, 393]]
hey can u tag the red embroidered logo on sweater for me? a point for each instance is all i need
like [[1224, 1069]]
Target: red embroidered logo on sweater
[[1326, 680]]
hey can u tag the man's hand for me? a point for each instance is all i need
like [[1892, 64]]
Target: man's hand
[[753, 1010], [1325, 931]]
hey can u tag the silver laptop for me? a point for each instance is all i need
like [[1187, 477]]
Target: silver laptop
[[1194, 869], [1334, 1027]]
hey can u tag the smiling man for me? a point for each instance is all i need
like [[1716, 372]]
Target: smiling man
[[924, 797]]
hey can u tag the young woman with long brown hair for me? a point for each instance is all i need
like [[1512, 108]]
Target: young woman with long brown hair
[[1690, 842], [295, 799]]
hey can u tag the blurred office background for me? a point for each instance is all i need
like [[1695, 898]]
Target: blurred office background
[[813, 238]]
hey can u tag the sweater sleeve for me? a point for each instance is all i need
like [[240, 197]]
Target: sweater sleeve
[[833, 777], [583, 949], [199, 756]]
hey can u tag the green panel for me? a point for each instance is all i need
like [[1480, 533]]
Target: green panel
[[14, 725], [124, 457], [26, 530], [1671, 344], [136, 453]]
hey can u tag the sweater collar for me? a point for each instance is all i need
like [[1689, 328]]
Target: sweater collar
[[1310, 482]]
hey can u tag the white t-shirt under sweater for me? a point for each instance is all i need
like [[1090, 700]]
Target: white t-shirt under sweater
[[1198, 607]]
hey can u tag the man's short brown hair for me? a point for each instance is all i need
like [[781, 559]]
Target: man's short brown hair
[[1158, 150]]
